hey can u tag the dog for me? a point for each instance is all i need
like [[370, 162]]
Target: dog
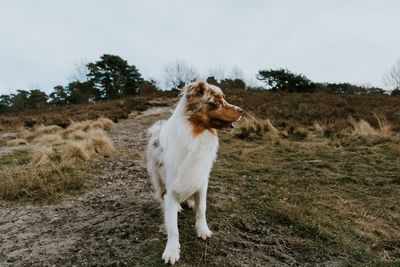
[[180, 155]]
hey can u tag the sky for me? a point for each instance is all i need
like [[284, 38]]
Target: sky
[[328, 41]]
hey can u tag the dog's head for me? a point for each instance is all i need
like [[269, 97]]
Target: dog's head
[[206, 107]]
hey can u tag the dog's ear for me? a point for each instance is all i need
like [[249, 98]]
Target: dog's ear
[[196, 89]]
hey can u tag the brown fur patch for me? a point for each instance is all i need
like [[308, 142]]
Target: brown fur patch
[[197, 127], [226, 113]]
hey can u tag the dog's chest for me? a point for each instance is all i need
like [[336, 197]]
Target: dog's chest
[[197, 159], [202, 149]]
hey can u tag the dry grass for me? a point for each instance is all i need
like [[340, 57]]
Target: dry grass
[[42, 155], [43, 183], [363, 128], [99, 143], [102, 123], [41, 130], [302, 110], [319, 128], [94, 143], [385, 128], [75, 150], [80, 141], [250, 125], [49, 166], [16, 142]]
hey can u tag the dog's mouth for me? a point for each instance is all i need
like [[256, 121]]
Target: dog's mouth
[[221, 124]]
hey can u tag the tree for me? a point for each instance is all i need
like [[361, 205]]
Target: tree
[[212, 80], [236, 74], [37, 99], [178, 74], [81, 92], [20, 100], [59, 96], [282, 80], [24, 100], [228, 84], [395, 92], [348, 88], [5, 103], [232, 84], [148, 87], [217, 73], [392, 77], [113, 77]]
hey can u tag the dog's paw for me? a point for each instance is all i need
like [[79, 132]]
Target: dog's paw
[[203, 232], [171, 254]]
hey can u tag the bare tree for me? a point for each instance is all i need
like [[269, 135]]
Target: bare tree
[[217, 73], [79, 71], [392, 77], [236, 73], [179, 73]]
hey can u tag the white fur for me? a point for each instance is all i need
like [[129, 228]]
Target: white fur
[[180, 163]]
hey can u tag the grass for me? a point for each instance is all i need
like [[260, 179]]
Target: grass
[[275, 201], [83, 141], [21, 181], [331, 200], [287, 110], [49, 165]]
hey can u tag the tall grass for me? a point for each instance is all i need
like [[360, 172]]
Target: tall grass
[[79, 141], [46, 182], [250, 124], [49, 167], [363, 128]]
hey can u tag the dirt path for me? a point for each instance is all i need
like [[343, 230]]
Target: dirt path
[[107, 225]]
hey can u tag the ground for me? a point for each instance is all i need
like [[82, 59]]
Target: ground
[[271, 202]]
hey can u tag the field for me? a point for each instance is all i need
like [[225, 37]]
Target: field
[[304, 180]]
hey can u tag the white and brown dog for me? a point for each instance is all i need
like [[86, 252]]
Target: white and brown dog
[[180, 154]]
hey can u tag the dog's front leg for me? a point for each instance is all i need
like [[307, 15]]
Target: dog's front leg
[[201, 206], [172, 249]]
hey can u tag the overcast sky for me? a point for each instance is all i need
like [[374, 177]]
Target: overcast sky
[[332, 41]]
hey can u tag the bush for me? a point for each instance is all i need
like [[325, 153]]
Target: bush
[[133, 103]]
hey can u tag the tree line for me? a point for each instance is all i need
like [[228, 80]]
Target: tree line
[[111, 77]]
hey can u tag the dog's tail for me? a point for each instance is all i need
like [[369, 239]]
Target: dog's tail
[[154, 130], [154, 159]]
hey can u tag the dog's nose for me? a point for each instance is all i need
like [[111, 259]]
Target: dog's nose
[[240, 111]]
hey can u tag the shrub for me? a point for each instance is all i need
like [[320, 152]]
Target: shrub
[[251, 125]]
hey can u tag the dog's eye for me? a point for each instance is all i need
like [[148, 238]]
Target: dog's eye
[[216, 102], [199, 92]]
